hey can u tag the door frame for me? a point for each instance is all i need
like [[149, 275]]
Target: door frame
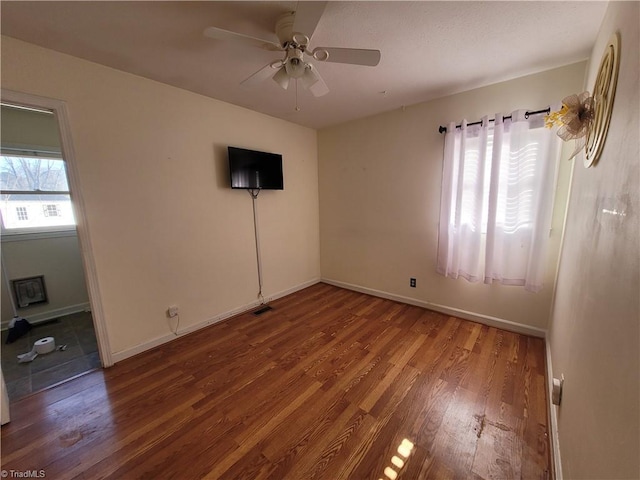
[[59, 109]]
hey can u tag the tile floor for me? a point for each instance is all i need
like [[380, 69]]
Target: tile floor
[[81, 355]]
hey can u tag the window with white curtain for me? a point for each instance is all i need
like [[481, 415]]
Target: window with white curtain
[[497, 197]]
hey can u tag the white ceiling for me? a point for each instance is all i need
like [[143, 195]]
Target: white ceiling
[[429, 49]]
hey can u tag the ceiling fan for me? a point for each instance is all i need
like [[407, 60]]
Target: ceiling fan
[[294, 31]]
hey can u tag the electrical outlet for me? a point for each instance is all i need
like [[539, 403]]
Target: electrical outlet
[[172, 311], [412, 282]]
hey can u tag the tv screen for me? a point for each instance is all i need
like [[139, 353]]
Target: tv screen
[[252, 169]]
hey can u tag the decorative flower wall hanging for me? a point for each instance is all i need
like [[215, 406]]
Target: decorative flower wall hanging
[[586, 118], [574, 119]]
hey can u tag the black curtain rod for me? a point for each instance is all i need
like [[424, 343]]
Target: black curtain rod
[[526, 115]]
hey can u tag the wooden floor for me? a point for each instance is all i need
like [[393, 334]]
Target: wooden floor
[[330, 384]]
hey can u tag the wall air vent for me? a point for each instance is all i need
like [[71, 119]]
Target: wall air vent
[[262, 309]]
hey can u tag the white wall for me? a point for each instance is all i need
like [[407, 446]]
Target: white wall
[[165, 227], [380, 198], [594, 334]]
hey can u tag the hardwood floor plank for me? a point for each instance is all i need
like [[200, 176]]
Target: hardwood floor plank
[[254, 466], [456, 440], [261, 413], [372, 455], [329, 384], [338, 455], [470, 343], [130, 450], [499, 450], [75, 417], [325, 443], [262, 432], [389, 378], [311, 422]]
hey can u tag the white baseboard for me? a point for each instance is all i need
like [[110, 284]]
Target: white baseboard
[[51, 314], [456, 312], [130, 352], [554, 441]]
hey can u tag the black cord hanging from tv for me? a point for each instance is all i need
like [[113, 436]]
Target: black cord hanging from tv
[[254, 192]]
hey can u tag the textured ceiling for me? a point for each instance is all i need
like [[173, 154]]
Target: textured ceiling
[[429, 49]]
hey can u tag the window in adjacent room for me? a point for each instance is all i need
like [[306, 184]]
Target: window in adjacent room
[[34, 194]]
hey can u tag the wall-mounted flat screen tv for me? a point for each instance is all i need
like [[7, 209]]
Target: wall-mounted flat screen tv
[[250, 169]]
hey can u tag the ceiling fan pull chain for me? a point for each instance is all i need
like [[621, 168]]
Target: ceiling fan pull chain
[[297, 107]]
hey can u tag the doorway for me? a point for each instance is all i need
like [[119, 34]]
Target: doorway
[[45, 241]]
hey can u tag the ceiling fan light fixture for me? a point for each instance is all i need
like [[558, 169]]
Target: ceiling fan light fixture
[[310, 77], [295, 68], [294, 63], [282, 78]]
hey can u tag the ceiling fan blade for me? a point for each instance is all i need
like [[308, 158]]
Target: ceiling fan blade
[[307, 17], [261, 75], [226, 35], [354, 56], [317, 87], [282, 78]]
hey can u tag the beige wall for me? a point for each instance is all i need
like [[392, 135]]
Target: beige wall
[[380, 196], [594, 334], [165, 227], [6, 309], [58, 259]]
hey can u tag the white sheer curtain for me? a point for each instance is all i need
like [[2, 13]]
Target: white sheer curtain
[[497, 197]]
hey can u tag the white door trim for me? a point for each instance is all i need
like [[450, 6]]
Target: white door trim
[[59, 108]]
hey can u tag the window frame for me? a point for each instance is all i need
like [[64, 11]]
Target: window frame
[[29, 233]]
